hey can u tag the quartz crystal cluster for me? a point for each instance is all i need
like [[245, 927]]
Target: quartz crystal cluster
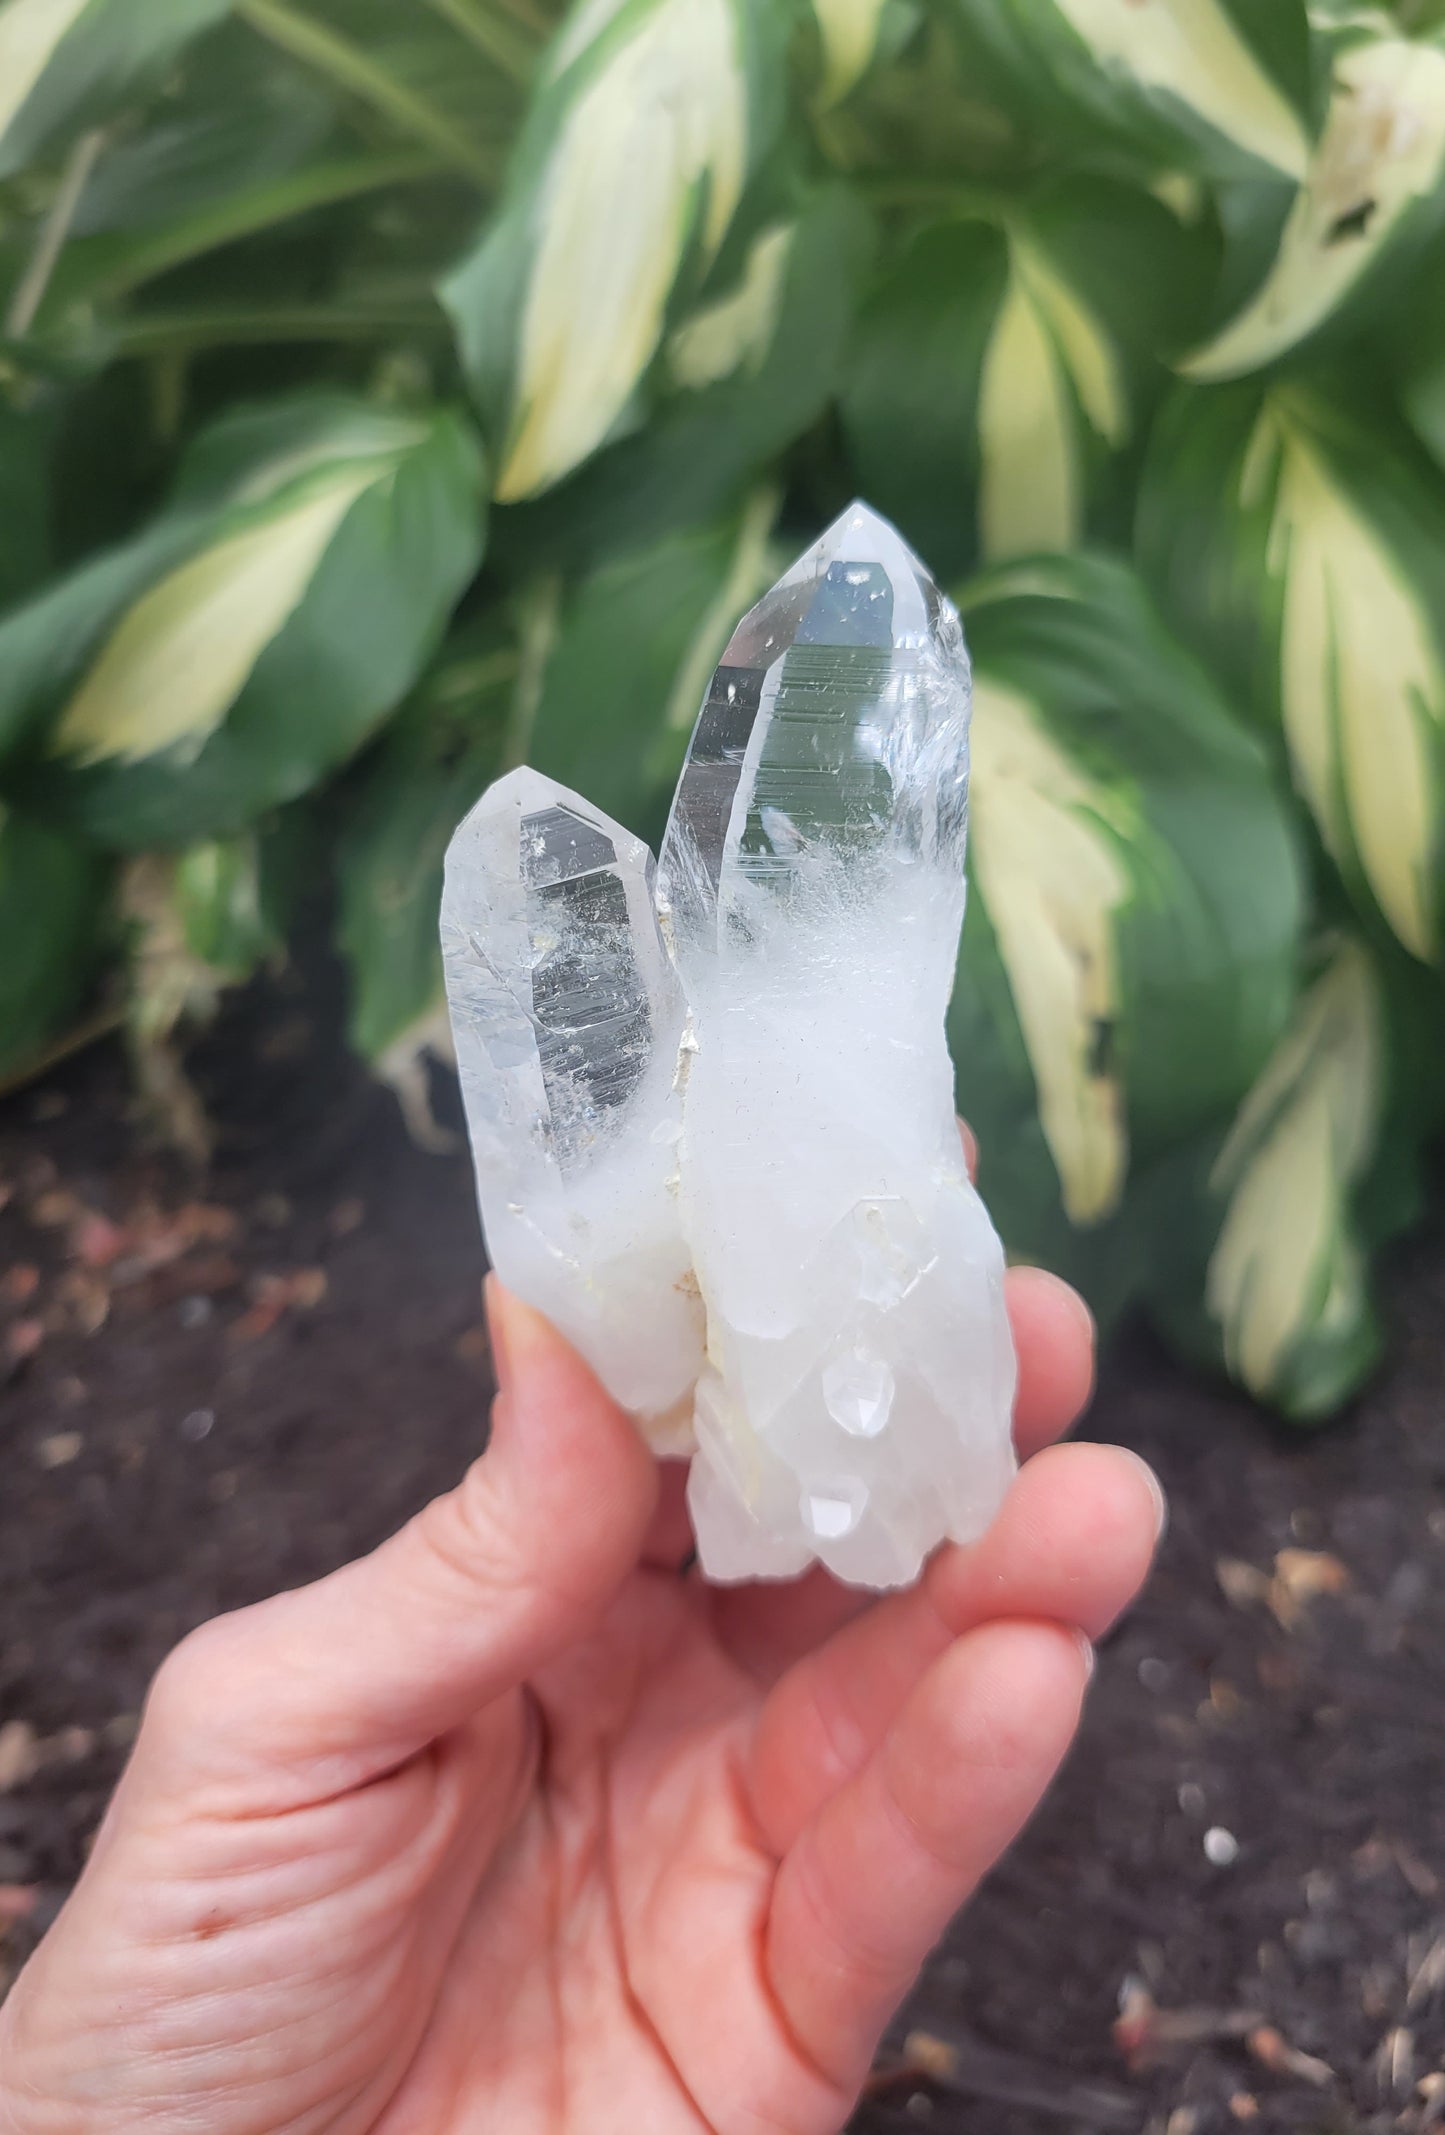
[[711, 1102]]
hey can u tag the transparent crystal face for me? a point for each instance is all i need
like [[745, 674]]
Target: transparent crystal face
[[589, 996], [555, 971], [834, 739]]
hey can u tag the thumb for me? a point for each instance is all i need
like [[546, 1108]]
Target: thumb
[[349, 1677]]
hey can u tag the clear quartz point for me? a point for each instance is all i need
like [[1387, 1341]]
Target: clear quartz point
[[568, 1019], [855, 1403], [721, 1154]]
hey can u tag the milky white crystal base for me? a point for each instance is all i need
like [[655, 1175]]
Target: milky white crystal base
[[855, 1401]]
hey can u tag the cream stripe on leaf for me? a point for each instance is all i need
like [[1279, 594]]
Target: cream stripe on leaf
[[248, 640], [1287, 1270], [181, 656], [1362, 687], [1087, 351], [1048, 362], [1030, 484], [30, 32], [849, 33], [735, 333], [1046, 857], [1379, 166], [1302, 554], [1190, 52], [635, 162], [1179, 82], [1140, 894]]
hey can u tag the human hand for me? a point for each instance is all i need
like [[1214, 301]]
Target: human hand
[[509, 1825]]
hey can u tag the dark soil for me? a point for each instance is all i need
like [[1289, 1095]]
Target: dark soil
[[1232, 1909]]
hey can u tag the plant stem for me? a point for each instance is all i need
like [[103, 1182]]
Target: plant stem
[[246, 213], [355, 70], [30, 290], [236, 326], [748, 575], [496, 41], [539, 617]]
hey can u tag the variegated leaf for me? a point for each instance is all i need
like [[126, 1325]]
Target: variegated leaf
[[1048, 859], [1049, 360], [1377, 172], [1218, 85], [633, 164], [1128, 958], [63, 62], [249, 639], [1302, 551], [1287, 1274]]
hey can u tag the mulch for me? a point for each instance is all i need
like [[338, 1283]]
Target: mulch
[[1231, 1911]]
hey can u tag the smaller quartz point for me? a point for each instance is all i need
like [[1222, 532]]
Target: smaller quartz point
[[568, 1020], [713, 1122]]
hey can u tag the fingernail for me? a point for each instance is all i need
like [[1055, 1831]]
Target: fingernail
[[1086, 1648], [516, 1333], [1080, 1310], [1156, 1491], [970, 1147]]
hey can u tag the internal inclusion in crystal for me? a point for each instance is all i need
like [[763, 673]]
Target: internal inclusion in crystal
[[589, 999]]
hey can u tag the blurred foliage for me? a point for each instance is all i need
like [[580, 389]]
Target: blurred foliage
[[390, 395]]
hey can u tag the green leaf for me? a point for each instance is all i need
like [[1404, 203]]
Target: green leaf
[[997, 369], [250, 641], [237, 117], [352, 67], [1218, 86], [1414, 351], [648, 118], [1302, 552], [63, 63], [1129, 953], [402, 805], [52, 896], [774, 343], [25, 511], [1372, 194]]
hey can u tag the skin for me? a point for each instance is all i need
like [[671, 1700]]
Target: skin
[[512, 1826]]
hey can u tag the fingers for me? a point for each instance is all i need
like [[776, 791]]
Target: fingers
[[362, 1669], [668, 1543], [1072, 1544], [1053, 1333], [874, 1878]]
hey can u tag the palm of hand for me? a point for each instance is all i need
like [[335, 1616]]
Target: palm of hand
[[676, 1880]]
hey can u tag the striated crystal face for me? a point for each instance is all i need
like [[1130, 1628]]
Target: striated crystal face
[[836, 722], [851, 1372]]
